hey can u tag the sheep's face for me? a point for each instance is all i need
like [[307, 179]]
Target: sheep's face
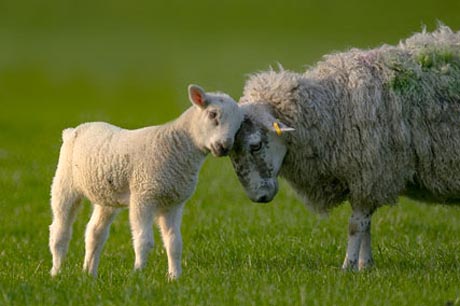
[[258, 154], [219, 120]]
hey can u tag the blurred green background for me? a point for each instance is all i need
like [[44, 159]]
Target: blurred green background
[[85, 60], [65, 62], [129, 63]]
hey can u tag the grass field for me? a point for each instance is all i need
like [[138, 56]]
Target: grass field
[[65, 62]]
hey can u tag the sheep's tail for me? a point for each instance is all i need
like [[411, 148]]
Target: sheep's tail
[[68, 134]]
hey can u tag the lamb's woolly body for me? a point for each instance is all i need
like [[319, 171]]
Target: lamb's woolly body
[[108, 163], [152, 171], [371, 124]]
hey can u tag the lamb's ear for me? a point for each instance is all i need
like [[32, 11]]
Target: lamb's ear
[[197, 96]]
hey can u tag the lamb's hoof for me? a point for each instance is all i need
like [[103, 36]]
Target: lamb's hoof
[[54, 272], [138, 267], [91, 274], [173, 277]]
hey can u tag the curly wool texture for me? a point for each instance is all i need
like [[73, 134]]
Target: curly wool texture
[[108, 164], [371, 124], [152, 170]]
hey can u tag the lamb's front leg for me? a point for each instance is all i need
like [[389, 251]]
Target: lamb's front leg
[[359, 253], [141, 221], [169, 221]]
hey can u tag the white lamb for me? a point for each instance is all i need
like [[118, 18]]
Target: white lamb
[[152, 171]]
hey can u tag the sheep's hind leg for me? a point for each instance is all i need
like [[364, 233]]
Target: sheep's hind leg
[[97, 232], [365, 252], [64, 205], [141, 220], [169, 221], [358, 250]]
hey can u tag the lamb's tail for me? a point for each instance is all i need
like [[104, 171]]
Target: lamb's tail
[[64, 202], [68, 134]]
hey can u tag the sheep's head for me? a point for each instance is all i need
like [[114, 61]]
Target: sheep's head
[[219, 118], [258, 152]]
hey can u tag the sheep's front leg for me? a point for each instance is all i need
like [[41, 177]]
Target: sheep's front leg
[[141, 221], [96, 234], [169, 221], [359, 253]]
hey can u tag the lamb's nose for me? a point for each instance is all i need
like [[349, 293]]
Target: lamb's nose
[[223, 149], [225, 146]]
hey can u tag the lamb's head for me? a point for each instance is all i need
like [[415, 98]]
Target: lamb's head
[[259, 151], [219, 118]]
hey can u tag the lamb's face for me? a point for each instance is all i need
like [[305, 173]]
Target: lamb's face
[[257, 156], [222, 119], [219, 120]]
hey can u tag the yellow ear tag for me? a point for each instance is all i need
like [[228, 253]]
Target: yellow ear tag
[[277, 128]]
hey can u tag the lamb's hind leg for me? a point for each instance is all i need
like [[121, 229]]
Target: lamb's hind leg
[[169, 221], [64, 205], [97, 232], [141, 220], [359, 249]]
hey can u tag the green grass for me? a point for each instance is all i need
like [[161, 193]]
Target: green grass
[[235, 252], [63, 63]]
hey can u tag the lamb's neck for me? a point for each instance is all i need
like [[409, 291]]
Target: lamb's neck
[[180, 134]]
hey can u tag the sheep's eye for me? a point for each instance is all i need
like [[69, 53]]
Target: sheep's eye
[[255, 147]]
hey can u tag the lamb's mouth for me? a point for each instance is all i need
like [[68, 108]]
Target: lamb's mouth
[[219, 151]]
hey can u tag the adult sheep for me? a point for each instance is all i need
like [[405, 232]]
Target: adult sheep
[[152, 171], [369, 125]]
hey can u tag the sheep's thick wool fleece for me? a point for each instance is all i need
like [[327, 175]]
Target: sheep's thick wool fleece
[[372, 124]]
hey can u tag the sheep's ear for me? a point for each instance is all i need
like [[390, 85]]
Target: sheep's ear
[[275, 125], [258, 112], [279, 128], [197, 96]]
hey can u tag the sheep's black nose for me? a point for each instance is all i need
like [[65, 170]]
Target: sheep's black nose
[[263, 199]]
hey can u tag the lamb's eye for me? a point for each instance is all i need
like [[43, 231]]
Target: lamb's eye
[[212, 115], [255, 147]]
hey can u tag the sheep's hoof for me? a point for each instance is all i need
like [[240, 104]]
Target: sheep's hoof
[[365, 264], [350, 265]]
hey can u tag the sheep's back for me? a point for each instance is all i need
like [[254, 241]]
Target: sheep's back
[[396, 118], [371, 124]]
